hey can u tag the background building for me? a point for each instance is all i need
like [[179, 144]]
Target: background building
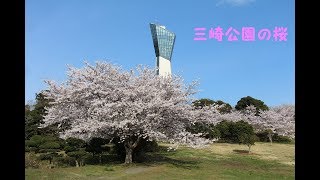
[[163, 42]]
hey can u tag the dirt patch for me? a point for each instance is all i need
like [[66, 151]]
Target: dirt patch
[[244, 152]]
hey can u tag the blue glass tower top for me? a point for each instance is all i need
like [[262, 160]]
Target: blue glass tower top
[[163, 41]]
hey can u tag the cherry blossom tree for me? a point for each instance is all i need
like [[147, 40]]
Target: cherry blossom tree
[[279, 119], [106, 101]]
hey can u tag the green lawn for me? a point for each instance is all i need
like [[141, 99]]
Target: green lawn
[[219, 161]]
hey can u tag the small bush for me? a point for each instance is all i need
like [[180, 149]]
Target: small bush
[[49, 138], [45, 157], [68, 148], [90, 159], [77, 154], [36, 139], [96, 145], [148, 146], [48, 150], [236, 132], [30, 143], [61, 142], [224, 128], [263, 137], [95, 159], [49, 156], [281, 139], [74, 142], [50, 145], [65, 161]]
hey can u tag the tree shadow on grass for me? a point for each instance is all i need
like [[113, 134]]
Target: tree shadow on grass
[[153, 159], [244, 152], [158, 159], [160, 156], [239, 151]]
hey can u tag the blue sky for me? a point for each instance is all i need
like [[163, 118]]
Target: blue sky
[[60, 32]]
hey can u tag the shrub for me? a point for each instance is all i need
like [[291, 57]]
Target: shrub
[[48, 150], [242, 132], [47, 157], [78, 155], [68, 148], [38, 143], [224, 130], [263, 137], [90, 159], [50, 145], [37, 139], [95, 146], [147, 146], [65, 161], [49, 138], [236, 132], [281, 139], [74, 142], [30, 143], [33, 149], [95, 159], [61, 142]]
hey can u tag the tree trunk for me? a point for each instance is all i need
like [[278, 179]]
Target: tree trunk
[[270, 138], [77, 163], [249, 148], [128, 159], [100, 160], [129, 145]]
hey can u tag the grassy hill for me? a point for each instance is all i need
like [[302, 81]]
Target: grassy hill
[[218, 161]]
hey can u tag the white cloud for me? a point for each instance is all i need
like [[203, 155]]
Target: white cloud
[[235, 2]]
